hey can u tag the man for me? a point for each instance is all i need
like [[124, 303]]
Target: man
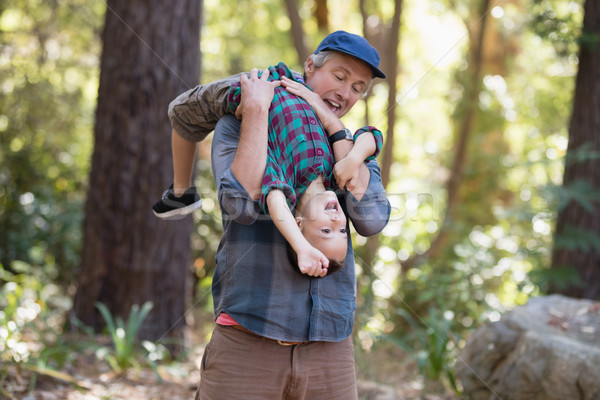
[[281, 334]]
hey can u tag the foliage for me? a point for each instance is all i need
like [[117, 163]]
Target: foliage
[[560, 22], [48, 69], [31, 337], [124, 354], [434, 337], [30, 302]]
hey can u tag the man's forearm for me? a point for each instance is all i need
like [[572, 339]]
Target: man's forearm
[[371, 213], [250, 159]]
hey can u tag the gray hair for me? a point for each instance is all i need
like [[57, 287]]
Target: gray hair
[[320, 58]]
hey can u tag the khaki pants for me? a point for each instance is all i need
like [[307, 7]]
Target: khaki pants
[[239, 365]]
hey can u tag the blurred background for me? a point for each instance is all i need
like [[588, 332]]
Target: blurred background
[[490, 153]]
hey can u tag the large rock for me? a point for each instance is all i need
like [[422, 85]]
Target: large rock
[[548, 349]]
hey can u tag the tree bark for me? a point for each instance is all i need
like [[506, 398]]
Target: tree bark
[[297, 31], [391, 71], [150, 54], [322, 15], [584, 130]]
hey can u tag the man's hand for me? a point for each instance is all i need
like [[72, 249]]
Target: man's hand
[[312, 262], [250, 159], [328, 119], [256, 92]]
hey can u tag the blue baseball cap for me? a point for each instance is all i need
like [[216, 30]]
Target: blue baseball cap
[[354, 45]]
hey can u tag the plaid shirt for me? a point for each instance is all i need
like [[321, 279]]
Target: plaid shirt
[[298, 147], [254, 281]]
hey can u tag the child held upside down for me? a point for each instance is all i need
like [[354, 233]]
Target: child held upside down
[[300, 172]]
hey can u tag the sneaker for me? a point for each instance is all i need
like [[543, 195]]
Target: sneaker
[[173, 207]]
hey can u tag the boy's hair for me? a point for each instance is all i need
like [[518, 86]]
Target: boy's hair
[[334, 265]]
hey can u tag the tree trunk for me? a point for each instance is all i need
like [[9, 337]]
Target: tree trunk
[[391, 72], [463, 135], [322, 16], [388, 41], [584, 130], [297, 31], [150, 54]]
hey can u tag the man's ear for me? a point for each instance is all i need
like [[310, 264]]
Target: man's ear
[[309, 67]]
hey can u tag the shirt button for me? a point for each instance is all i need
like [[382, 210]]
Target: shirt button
[[312, 121], [319, 152], [314, 291]]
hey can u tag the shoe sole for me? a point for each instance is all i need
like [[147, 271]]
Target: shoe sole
[[179, 213]]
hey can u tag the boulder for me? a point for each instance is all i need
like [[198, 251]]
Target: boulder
[[548, 349]]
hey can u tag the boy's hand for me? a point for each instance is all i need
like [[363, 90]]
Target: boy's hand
[[346, 171], [256, 92], [328, 119], [312, 262]]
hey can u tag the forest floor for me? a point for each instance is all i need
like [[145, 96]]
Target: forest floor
[[380, 377]]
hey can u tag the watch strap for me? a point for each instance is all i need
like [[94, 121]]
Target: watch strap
[[340, 135]]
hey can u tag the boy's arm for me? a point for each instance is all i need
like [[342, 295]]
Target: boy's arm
[[332, 124], [310, 260], [346, 171]]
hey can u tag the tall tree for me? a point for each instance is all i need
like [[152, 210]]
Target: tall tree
[[577, 239], [322, 16], [150, 54], [297, 31], [464, 131], [386, 37]]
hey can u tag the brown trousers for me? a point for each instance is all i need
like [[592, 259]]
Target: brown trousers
[[239, 365]]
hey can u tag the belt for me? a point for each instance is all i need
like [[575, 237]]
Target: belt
[[279, 342]]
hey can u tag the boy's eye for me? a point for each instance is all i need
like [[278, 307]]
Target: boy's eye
[[325, 230], [343, 230]]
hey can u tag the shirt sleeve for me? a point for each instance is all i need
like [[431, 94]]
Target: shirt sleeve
[[275, 179], [378, 139], [195, 113], [236, 204], [372, 213]]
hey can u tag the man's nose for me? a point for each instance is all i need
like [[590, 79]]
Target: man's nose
[[343, 91]]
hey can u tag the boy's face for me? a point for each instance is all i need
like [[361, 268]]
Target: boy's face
[[323, 223], [340, 82]]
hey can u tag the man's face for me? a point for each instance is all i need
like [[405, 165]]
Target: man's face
[[340, 82]]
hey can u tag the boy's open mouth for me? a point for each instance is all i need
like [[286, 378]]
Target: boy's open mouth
[[332, 205]]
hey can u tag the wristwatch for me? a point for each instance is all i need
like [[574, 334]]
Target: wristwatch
[[340, 135]]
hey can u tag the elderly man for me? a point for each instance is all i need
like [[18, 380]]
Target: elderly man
[[279, 334]]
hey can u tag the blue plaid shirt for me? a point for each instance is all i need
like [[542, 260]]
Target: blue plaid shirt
[[254, 281]]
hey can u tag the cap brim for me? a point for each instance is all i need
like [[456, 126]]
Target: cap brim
[[377, 73]]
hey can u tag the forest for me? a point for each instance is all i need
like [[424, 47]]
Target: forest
[[491, 164]]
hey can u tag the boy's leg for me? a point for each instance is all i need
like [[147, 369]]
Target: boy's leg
[[184, 154], [181, 198]]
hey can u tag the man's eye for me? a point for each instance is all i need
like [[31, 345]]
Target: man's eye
[[339, 78]]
